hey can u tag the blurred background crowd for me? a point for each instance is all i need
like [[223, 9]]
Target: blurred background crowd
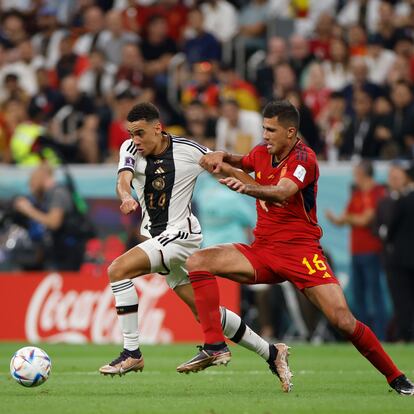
[[71, 70]]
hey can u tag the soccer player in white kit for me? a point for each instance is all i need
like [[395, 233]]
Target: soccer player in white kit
[[163, 169]]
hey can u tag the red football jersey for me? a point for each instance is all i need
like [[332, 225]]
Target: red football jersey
[[297, 220]]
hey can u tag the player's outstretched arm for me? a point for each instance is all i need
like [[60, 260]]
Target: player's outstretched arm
[[213, 161], [274, 193], [123, 189]]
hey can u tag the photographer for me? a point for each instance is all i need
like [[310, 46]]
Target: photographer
[[55, 210]]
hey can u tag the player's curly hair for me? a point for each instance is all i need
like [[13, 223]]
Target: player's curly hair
[[286, 113], [146, 111]]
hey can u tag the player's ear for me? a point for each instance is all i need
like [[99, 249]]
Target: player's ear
[[292, 131], [158, 127]]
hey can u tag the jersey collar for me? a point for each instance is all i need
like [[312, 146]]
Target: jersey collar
[[276, 164]]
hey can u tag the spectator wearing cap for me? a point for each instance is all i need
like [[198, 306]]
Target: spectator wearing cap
[[379, 60], [400, 240], [200, 46], [47, 40]]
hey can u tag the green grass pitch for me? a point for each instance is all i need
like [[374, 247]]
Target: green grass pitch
[[327, 379]]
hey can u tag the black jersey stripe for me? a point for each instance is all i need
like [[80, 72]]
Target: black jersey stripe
[[189, 141], [130, 146], [170, 240], [202, 149], [176, 137]]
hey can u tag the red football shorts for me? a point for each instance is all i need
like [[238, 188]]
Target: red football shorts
[[304, 265]]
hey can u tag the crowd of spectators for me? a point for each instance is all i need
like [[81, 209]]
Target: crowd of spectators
[[69, 70]]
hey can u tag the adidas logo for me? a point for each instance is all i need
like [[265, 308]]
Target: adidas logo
[[159, 170]]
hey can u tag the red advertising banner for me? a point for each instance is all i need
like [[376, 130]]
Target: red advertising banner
[[79, 308]]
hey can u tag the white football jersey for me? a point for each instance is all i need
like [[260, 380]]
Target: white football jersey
[[164, 184]]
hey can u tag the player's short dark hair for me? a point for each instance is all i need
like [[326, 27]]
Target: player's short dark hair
[[286, 113], [367, 167], [146, 111]]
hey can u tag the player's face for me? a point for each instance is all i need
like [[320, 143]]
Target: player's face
[[277, 138], [146, 136]]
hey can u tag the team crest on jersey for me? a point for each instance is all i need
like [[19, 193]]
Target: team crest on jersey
[[129, 162], [159, 183]]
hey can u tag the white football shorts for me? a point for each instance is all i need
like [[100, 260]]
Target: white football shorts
[[168, 253]]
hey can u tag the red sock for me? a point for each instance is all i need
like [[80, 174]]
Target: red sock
[[207, 300], [368, 345]]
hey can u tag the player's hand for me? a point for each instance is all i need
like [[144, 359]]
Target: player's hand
[[263, 205], [23, 205], [234, 184], [212, 161], [330, 216], [128, 205]]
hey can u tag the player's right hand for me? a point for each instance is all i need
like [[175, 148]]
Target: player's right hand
[[128, 205], [212, 161]]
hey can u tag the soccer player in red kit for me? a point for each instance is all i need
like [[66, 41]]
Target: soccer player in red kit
[[286, 245]]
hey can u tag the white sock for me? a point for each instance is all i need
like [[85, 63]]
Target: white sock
[[237, 331], [126, 302]]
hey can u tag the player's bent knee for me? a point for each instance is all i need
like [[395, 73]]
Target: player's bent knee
[[116, 271], [197, 261]]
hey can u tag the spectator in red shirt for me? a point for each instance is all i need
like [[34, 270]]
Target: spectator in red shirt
[[118, 127], [366, 284]]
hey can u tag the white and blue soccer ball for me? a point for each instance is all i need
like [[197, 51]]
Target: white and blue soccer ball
[[30, 366]]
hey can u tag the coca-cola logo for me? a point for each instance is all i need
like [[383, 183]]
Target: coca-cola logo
[[56, 315]]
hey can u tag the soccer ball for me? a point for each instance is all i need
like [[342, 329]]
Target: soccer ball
[[30, 366]]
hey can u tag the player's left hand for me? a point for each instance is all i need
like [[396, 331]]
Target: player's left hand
[[234, 184], [23, 205]]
